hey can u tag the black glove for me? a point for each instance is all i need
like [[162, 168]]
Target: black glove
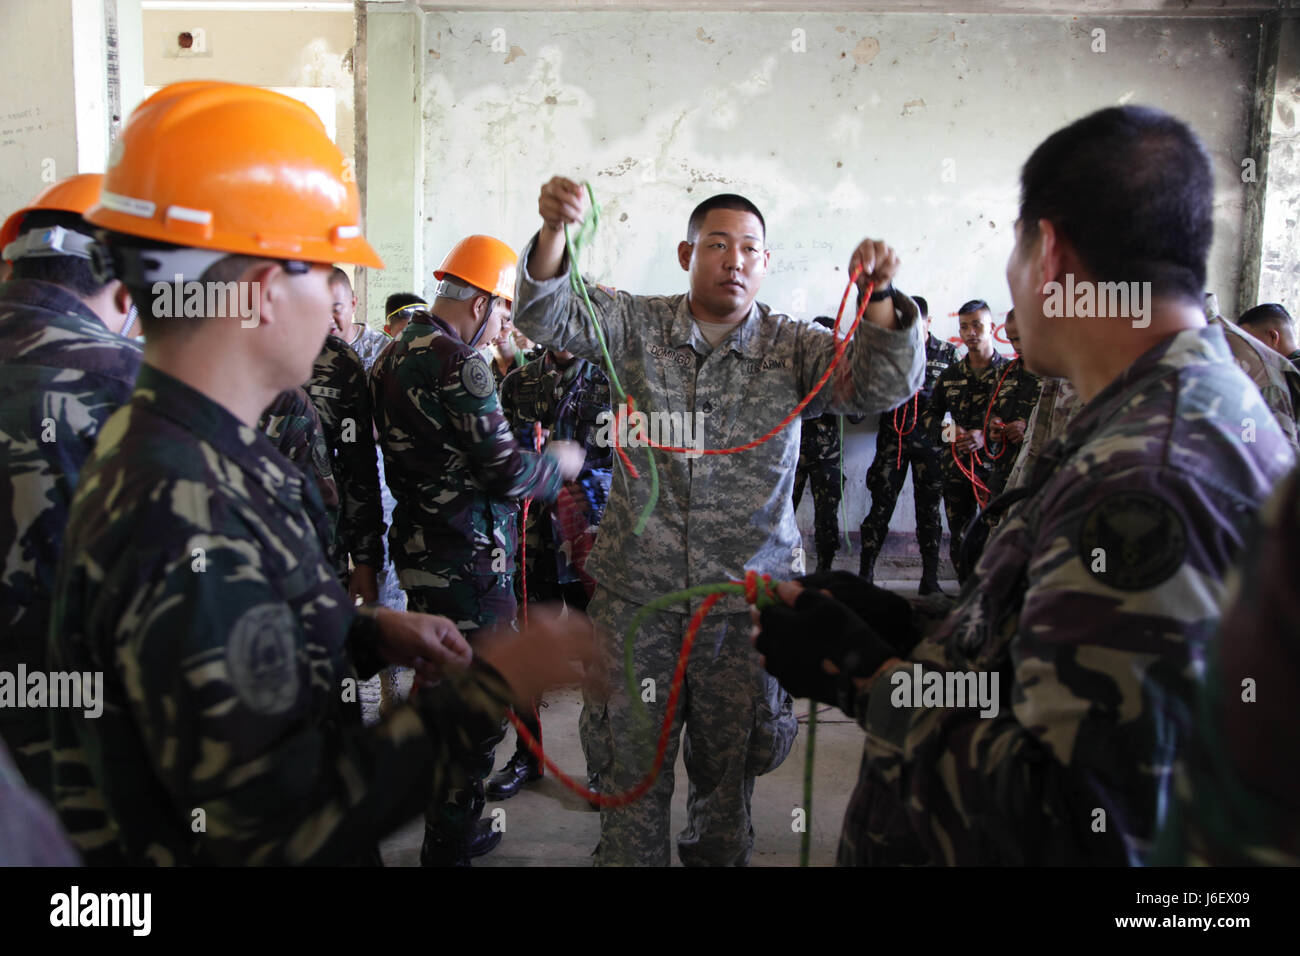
[[889, 614], [796, 640]]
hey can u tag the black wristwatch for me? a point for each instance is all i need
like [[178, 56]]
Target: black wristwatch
[[880, 295]]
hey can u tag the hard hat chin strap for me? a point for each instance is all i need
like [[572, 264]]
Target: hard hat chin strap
[[487, 314]]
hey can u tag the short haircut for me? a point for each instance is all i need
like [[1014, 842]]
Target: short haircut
[[974, 305], [71, 272], [1132, 189], [400, 300], [922, 305], [721, 201], [1267, 313], [339, 277]]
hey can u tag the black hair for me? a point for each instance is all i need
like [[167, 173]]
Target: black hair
[[974, 305], [339, 277], [721, 201], [1132, 189], [1266, 313], [71, 272], [922, 305], [399, 300]]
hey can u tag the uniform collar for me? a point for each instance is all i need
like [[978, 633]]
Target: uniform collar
[[192, 411], [685, 332], [35, 294]]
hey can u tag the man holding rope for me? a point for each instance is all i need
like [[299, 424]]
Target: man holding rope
[[716, 352]]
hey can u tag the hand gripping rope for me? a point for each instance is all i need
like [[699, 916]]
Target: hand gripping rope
[[758, 591]]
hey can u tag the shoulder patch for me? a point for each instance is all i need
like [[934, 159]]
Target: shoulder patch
[[477, 377], [1132, 541], [262, 661]]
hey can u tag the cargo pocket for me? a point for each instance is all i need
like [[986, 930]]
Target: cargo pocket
[[774, 728]]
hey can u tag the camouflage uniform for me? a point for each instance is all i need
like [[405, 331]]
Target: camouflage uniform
[[1093, 604], [716, 517], [965, 392], [294, 427], [570, 403], [517, 361], [1014, 402], [820, 456], [457, 475], [231, 671], [369, 344], [1277, 379], [886, 474], [339, 391], [1294, 358], [1238, 786], [62, 374], [1057, 405]]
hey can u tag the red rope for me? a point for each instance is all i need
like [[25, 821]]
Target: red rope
[[989, 411], [665, 732], [841, 345], [900, 432], [981, 490]]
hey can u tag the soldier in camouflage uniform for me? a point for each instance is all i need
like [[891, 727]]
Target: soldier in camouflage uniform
[[964, 391], [1057, 405], [458, 476], [1237, 785], [1272, 324], [194, 576], [714, 353], [361, 338], [1088, 612], [339, 390], [821, 462], [1276, 378], [64, 369], [566, 397], [1009, 412], [885, 477], [294, 427]]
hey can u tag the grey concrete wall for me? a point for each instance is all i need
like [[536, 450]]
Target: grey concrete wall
[[911, 127], [1279, 260]]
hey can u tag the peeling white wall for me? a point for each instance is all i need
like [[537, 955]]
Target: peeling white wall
[[907, 127]]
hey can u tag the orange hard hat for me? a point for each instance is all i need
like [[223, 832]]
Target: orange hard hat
[[484, 262], [236, 169], [75, 194]]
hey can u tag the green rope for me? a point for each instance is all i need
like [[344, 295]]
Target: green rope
[[805, 843], [574, 246]]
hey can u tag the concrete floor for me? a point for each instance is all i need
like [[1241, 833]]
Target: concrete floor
[[547, 825]]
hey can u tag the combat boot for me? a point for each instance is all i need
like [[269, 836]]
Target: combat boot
[[520, 769], [483, 839], [867, 567], [929, 576]]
